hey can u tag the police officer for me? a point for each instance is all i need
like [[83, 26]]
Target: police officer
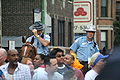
[[41, 40], [85, 47]]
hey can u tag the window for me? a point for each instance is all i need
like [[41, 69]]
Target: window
[[112, 38], [53, 1], [103, 39], [63, 3], [118, 11], [69, 33], [52, 33], [104, 8], [61, 32]]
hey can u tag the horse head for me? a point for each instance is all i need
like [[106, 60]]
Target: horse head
[[28, 50]]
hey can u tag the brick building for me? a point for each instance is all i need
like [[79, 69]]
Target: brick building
[[107, 11], [18, 15]]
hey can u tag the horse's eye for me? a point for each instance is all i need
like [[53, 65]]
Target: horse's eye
[[20, 50], [30, 51]]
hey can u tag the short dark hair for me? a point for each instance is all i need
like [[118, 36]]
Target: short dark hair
[[47, 59], [42, 56], [55, 50], [68, 74], [11, 50]]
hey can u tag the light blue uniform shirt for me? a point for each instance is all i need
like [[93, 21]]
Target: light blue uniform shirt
[[83, 48], [40, 48]]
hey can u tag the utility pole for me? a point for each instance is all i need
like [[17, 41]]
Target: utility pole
[[43, 11]]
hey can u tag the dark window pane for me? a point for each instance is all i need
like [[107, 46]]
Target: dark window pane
[[118, 11], [61, 32], [104, 8], [52, 33], [69, 33]]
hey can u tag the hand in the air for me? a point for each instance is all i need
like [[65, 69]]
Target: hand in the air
[[35, 32]]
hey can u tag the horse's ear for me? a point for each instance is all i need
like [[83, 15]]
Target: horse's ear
[[32, 41], [23, 39]]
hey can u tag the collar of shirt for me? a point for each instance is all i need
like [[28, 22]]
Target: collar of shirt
[[19, 67], [61, 67], [88, 41]]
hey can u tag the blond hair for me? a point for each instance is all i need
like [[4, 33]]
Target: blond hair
[[93, 58], [24, 60]]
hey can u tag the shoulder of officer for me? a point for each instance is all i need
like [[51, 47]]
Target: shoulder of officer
[[82, 37]]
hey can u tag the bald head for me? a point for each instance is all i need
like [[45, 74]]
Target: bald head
[[3, 51], [12, 51], [13, 56], [3, 56]]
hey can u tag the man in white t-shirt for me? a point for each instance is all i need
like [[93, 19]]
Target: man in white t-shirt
[[49, 72]]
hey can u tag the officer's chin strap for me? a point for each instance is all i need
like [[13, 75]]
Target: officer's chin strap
[[94, 44]]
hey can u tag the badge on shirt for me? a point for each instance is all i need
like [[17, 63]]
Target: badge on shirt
[[84, 43]]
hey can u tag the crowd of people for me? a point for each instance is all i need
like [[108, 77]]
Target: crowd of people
[[84, 61]]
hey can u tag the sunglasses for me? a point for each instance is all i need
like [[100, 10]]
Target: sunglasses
[[60, 55]]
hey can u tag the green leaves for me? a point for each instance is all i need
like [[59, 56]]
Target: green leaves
[[116, 27]]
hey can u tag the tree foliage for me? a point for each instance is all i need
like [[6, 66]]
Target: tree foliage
[[116, 28]]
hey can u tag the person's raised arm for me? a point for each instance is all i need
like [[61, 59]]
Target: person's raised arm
[[41, 40]]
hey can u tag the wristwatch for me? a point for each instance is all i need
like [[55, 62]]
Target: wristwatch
[[37, 36]]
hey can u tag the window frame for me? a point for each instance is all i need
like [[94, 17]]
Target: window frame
[[104, 8]]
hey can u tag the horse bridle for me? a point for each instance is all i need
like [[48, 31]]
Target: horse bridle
[[26, 49]]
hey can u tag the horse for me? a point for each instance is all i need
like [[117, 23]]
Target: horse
[[28, 50]]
